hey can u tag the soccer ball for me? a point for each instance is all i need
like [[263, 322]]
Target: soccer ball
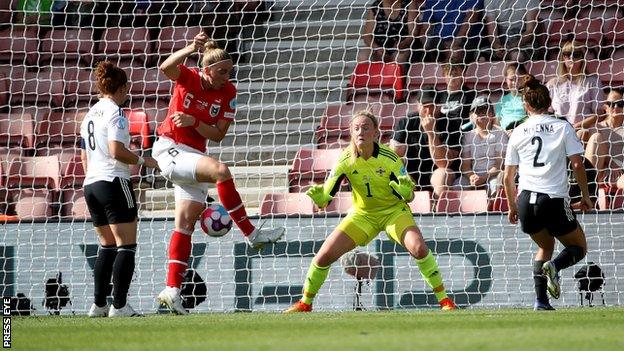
[[215, 221]]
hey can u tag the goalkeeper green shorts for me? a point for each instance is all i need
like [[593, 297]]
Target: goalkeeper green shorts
[[363, 228]]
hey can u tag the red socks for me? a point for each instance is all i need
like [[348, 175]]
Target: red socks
[[179, 253], [230, 199]]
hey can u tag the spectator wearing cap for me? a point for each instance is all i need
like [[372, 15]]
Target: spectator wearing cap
[[483, 149], [605, 148], [430, 144]]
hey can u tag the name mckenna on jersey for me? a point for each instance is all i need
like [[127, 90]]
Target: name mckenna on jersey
[[539, 128]]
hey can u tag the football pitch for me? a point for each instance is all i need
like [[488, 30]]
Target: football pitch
[[497, 329]]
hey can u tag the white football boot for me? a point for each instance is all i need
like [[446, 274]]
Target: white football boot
[[126, 311], [259, 237], [95, 311], [170, 298]]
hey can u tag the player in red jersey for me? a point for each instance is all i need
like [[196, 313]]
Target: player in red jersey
[[202, 108]]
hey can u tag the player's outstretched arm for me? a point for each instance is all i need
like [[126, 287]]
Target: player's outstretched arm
[[319, 196], [170, 66], [404, 187]]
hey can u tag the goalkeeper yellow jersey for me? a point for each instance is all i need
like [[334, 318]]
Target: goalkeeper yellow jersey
[[369, 180]]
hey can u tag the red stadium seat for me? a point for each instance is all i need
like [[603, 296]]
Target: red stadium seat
[[19, 45], [286, 204], [4, 90], [17, 131], [72, 172], [156, 110], [149, 83], [34, 172], [34, 203], [140, 134], [333, 130], [36, 87], [389, 116], [425, 75], [128, 44], [64, 44], [377, 77], [543, 70], [341, 204], [172, 39], [81, 88], [58, 130], [466, 201], [311, 166], [421, 202], [73, 205]]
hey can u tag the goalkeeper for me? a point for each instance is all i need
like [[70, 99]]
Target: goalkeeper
[[381, 190]]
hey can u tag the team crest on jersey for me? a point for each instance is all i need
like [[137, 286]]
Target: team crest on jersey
[[214, 110], [121, 123], [381, 171]]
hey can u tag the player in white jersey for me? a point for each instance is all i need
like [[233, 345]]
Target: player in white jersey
[[108, 191], [538, 149]]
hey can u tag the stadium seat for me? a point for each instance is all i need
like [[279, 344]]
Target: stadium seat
[[17, 131], [421, 202], [36, 86], [389, 116], [341, 204], [73, 205], [171, 39], [425, 75], [68, 45], [486, 75], [57, 130], [465, 201], [333, 130], [21, 48], [81, 89], [311, 166], [34, 172], [156, 109], [377, 77], [72, 172], [127, 44], [286, 204], [150, 83], [34, 203], [610, 199], [4, 90], [140, 134]]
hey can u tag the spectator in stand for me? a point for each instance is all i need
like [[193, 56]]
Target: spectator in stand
[[452, 29], [389, 31], [605, 149], [483, 149], [511, 26], [430, 143], [576, 93], [33, 11], [510, 110], [457, 98]]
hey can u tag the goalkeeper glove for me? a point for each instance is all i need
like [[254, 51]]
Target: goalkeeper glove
[[405, 187], [318, 195]]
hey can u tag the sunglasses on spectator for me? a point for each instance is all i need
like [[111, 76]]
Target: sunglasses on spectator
[[618, 103], [575, 54]]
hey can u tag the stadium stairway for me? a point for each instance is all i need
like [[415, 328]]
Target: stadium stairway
[[291, 69]]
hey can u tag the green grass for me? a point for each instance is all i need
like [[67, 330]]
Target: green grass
[[510, 329]]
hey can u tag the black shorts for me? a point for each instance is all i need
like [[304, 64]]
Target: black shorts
[[553, 214], [111, 202]]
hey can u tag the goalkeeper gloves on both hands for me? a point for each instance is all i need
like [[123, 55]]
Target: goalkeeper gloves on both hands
[[318, 195], [405, 187]]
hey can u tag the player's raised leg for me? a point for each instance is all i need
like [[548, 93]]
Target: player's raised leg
[[213, 171]]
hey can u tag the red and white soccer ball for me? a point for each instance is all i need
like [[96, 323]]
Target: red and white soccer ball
[[215, 221]]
